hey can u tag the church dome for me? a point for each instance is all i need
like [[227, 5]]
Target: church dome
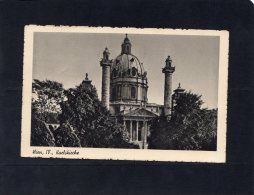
[[128, 79], [127, 64]]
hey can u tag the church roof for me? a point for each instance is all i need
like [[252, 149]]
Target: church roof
[[124, 62]]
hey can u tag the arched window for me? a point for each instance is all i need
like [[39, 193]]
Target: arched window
[[133, 71], [118, 91], [113, 93], [129, 72], [133, 92], [114, 73]]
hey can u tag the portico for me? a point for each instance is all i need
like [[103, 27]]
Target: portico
[[137, 124]]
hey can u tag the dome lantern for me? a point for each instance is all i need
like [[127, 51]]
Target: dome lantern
[[126, 46]]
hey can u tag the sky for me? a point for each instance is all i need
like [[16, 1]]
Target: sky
[[67, 57]]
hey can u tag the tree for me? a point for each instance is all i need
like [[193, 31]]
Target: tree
[[90, 120], [66, 137], [47, 96], [190, 128], [40, 134]]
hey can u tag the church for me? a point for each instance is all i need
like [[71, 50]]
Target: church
[[124, 92]]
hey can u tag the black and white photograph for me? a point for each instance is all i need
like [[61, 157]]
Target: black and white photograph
[[126, 97], [124, 94]]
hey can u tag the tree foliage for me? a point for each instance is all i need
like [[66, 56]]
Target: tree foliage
[[84, 122], [40, 134], [90, 120], [190, 128], [47, 96], [66, 137], [45, 103]]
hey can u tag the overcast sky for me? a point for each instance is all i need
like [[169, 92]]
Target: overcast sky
[[66, 57]]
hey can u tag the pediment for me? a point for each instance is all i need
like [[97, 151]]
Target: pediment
[[141, 112]]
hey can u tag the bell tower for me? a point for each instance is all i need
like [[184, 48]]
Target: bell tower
[[168, 70], [105, 87]]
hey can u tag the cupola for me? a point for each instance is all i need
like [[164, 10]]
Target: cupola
[[126, 45]]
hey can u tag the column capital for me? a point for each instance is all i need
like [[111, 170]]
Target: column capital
[[168, 70], [106, 62]]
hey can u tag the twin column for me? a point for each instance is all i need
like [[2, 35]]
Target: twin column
[[105, 88], [168, 70]]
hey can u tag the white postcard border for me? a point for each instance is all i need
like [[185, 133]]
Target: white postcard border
[[218, 156]]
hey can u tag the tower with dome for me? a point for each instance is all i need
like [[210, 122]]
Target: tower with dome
[[124, 92]]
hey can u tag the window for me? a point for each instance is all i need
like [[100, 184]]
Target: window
[[133, 92], [118, 91], [120, 74], [114, 93], [133, 71], [114, 73], [129, 72]]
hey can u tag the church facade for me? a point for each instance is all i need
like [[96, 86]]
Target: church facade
[[124, 92]]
